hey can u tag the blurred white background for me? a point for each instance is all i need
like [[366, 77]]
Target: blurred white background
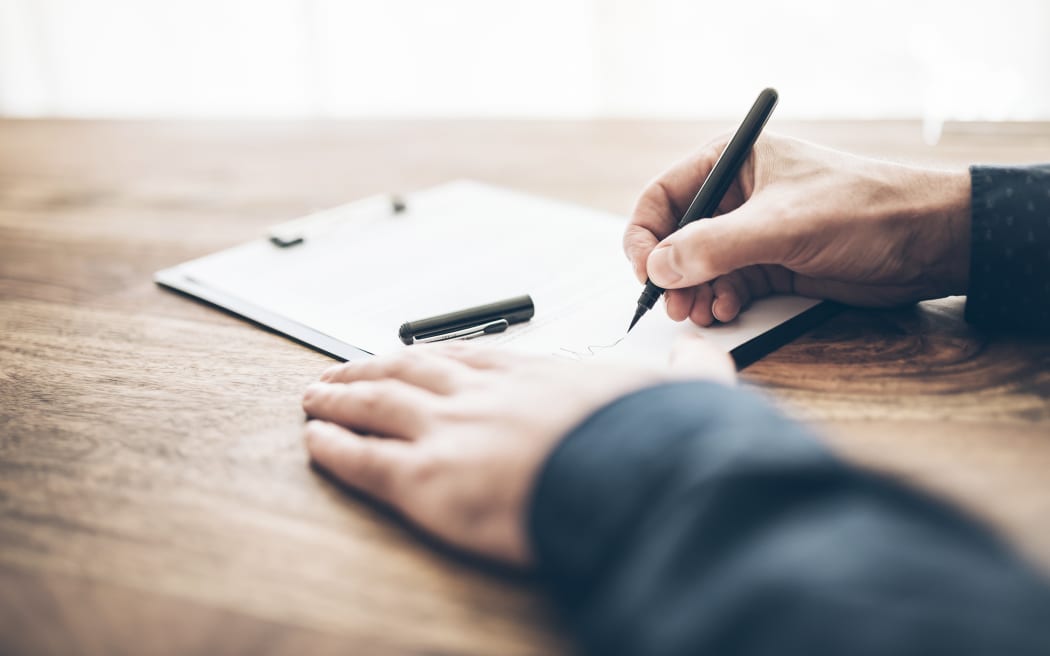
[[929, 59]]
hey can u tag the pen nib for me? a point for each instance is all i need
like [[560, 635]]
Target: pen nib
[[637, 315]]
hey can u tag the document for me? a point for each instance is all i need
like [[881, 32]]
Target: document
[[364, 270]]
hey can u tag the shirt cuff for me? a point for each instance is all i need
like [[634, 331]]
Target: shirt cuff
[[1010, 247]]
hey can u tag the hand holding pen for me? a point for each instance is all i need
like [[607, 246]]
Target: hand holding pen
[[802, 219], [722, 174]]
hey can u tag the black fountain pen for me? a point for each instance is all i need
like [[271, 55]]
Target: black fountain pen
[[717, 183]]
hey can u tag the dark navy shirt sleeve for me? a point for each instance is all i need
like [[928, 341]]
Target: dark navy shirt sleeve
[[692, 518], [1010, 248]]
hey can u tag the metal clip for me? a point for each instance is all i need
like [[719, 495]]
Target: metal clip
[[469, 332]]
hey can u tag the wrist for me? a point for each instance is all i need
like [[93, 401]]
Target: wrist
[[944, 197], [958, 210]]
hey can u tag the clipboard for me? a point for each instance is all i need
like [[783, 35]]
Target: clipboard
[[342, 281]]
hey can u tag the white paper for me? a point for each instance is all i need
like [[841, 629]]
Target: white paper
[[459, 245]]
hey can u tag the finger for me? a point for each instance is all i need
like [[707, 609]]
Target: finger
[[638, 242], [416, 366], [384, 407], [759, 284], [781, 280], [478, 357], [693, 356], [679, 302], [664, 201], [731, 295], [700, 314], [706, 249], [371, 465], [743, 286]]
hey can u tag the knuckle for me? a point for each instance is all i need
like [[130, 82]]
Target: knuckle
[[781, 213], [348, 372], [424, 470], [688, 257], [630, 237], [371, 468], [456, 409], [368, 395], [704, 255], [712, 150], [654, 192], [333, 372], [678, 256], [778, 211], [637, 241], [451, 348], [703, 294], [398, 364], [321, 396], [722, 286], [655, 201]]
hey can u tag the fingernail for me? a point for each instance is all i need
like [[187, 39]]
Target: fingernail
[[312, 390], [331, 371], [661, 271], [722, 311]]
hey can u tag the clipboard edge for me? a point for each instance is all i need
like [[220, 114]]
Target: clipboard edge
[[174, 280], [782, 334]]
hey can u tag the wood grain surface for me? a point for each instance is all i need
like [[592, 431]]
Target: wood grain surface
[[154, 495]]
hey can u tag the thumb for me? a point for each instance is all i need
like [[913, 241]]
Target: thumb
[[708, 248], [692, 356]]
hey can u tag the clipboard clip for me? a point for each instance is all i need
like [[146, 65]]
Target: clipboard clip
[[469, 323], [314, 225]]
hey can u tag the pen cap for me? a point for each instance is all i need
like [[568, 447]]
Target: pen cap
[[512, 310]]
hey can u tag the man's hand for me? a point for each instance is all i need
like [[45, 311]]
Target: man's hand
[[807, 220], [453, 436]]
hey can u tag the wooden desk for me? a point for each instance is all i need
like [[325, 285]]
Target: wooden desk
[[154, 495]]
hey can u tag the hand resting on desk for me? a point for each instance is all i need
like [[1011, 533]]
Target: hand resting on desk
[[452, 435]]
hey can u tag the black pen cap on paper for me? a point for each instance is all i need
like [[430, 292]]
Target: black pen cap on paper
[[512, 310]]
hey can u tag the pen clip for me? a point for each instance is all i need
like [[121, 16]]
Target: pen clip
[[470, 332]]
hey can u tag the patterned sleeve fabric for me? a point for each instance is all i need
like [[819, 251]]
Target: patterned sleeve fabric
[[1010, 248]]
